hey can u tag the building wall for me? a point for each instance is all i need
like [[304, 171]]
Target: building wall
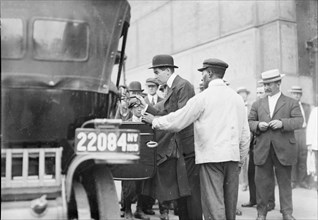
[[251, 36]]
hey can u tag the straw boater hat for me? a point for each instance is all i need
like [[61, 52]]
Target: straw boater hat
[[271, 76], [242, 89], [296, 89], [162, 60]]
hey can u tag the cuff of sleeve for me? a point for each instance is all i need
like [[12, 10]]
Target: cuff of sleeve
[[155, 123]]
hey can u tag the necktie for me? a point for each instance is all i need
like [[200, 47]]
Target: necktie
[[153, 101], [303, 113]]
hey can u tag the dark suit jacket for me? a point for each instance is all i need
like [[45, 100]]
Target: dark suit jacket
[[283, 140], [178, 95]]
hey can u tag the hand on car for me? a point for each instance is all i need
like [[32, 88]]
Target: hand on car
[[148, 118]]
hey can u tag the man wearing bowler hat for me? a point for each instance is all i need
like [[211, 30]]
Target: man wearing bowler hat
[[134, 88], [221, 136], [179, 92], [299, 170], [273, 120]]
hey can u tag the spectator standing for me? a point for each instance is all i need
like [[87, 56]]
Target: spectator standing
[[273, 120], [152, 98], [299, 170], [260, 93], [244, 93], [221, 139]]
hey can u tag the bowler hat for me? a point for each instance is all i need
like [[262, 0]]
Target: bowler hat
[[213, 62], [242, 89], [135, 86], [162, 60], [152, 81], [271, 76], [296, 89]]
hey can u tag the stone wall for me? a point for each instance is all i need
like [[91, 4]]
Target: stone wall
[[252, 36]]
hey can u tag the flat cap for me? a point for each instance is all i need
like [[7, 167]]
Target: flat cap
[[134, 102], [152, 81], [213, 62]]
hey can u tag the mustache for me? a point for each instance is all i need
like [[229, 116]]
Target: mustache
[[268, 90]]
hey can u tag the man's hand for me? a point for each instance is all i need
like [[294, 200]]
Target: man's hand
[[148, 118], [263, 126], [275, 124], [142, 100]]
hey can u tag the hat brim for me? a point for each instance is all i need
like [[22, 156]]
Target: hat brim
[[272, 80], [243, 90], [134, 90], [201, 69], [163, 65], [294, 91], [152, 84]]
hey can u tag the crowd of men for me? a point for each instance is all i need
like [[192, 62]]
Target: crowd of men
[[211, 142]]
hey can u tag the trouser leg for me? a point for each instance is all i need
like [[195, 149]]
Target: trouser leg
[[264, 177], [219, 189], [190, 207], [251, 178], [283, 175]]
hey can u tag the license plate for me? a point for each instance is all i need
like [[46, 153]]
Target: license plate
[[107, 140]]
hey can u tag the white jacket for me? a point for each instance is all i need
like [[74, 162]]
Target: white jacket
[[221, 130]]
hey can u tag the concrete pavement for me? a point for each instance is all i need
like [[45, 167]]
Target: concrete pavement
[[304, 202]]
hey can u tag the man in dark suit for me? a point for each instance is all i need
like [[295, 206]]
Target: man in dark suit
[[273, 120], [299, 170], [260, 93], [179, 92]]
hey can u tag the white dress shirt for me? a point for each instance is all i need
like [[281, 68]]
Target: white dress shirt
[[221, 130], [136, 119], [171, 79], [154, 97], [312, 129], [272, 100], [303, 114]]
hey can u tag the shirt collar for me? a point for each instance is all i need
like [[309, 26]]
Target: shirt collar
[[217, 82], [171, 79], [150, 96], [276, 96], [135, 119]]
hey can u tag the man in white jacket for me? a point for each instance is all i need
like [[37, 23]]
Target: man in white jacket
[[221, 135]]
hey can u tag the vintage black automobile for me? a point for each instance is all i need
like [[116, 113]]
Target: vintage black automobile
[[61, 149]]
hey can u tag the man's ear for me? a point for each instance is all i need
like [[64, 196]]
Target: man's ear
[[210, 73]]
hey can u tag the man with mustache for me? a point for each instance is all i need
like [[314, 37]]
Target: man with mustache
[[273, 120]]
